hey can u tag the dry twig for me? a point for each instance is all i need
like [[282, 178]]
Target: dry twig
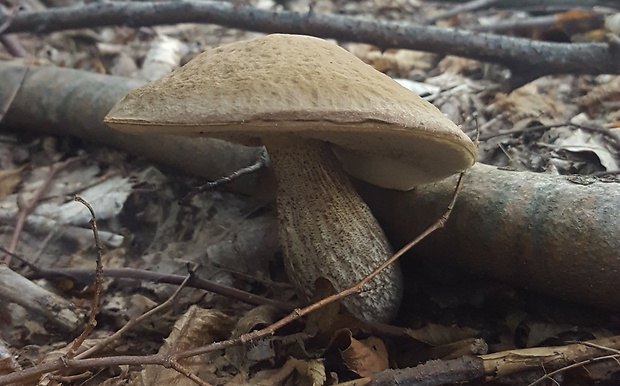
[[606, 132], [526, 59], [94, 309], [134, 322], [86, 276], [80, 361], [469, 6], [26, 210], [260, 162], [357, 288]]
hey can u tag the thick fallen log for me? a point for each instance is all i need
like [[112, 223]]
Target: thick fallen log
[[559, 235], [537, 231]]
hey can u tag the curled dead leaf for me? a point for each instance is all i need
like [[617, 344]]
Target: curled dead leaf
[[244, 357], [364, 357]]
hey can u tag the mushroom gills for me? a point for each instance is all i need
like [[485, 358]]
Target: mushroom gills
[[327, 230]]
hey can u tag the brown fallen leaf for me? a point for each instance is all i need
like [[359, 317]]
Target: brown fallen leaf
[[197, 327], [526, 102], [364, 357], [437, 335], [9, 179], [294, 371], [606, 91]]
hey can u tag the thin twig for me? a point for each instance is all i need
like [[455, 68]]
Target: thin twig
[[257, 165], [94, 309], [572, 366], [80, 361], [76, 379], [185, 371], [133, 322], [469, 6], [601, 130], [86, 276], [25, 211], [599, 346]]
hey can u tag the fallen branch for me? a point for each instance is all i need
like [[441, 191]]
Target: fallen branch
[[57, 101], [14, 288], [543, 359], [556, 235], [526, 59], [535, 362]]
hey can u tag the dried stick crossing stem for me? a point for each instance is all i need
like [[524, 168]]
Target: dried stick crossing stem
[[358, 287]]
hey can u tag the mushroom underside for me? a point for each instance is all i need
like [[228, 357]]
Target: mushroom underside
[[385, 155]]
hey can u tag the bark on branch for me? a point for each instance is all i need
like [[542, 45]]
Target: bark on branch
[[526, 59], [58, 101], [551, 234]]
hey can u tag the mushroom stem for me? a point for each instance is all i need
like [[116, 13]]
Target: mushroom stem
[[327, 230]]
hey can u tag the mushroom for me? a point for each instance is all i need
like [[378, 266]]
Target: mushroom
[[314, 106]]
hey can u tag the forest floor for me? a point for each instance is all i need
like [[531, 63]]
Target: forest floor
[[230, 239]]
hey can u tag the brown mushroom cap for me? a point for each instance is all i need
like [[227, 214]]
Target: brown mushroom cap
[[301, 85]]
